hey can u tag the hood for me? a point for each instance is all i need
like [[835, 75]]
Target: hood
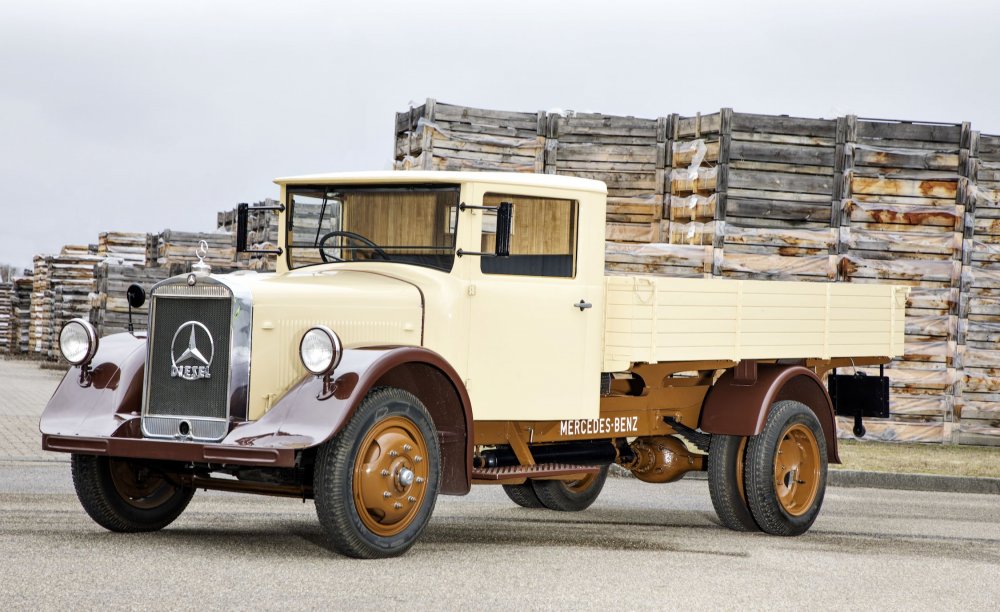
[[363, 308]]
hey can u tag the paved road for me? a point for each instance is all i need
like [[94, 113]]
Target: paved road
[[27, 388], [639, 546]]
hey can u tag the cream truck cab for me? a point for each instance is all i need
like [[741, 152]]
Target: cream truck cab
[[426, 331]]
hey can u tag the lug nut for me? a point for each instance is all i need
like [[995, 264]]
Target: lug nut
[[420, 480], [385, 472], [407, 448], [393, 453], [387, 495], [397, 505], [418, 458], [411, 499]]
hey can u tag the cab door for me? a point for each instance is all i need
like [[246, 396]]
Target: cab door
[[536, 316]]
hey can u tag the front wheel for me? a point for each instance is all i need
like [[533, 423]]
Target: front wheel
[[785, 470], [376, 481], [126, 496], [570, 496]]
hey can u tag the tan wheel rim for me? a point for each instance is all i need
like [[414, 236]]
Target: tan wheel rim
[[796, 470], [740, 452], [581, 485], [139, 486], [390, 476]]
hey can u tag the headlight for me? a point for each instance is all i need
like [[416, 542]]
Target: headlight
[[320, 350], [78, 341]]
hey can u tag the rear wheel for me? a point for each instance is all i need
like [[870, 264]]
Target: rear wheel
[[725, 482], [127, 496], [376, 481], [523, 495], [570, 495], [785, 470]]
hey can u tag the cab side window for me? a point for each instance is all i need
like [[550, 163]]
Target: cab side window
[[543, 237]]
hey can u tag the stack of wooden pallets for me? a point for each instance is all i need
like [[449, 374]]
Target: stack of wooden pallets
[[846, 200], [904, 211], [760, 189], [21, 307], [436, 136], [71, 277], [125, 247], [109, 307], [7, 319], [262, 234], [979, 309], [40, 331], [177, 251]]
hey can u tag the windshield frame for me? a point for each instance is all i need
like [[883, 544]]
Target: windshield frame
[[444, 188]]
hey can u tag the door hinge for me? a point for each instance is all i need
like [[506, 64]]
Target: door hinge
[[472, 290]]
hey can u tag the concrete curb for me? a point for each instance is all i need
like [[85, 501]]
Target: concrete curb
[[884, 480]]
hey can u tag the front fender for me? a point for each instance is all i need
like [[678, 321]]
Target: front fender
[[111, 398], [741, 409]]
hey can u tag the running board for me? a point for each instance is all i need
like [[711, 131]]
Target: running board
[[540, 471]]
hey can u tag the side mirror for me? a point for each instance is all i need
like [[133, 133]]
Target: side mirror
[[242, 212], [135, 295], [505, 217]]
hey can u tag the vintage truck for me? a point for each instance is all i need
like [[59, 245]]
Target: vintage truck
[[427, 331]]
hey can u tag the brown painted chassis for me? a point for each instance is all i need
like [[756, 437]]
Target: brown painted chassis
[[719, 397], [99, 414]]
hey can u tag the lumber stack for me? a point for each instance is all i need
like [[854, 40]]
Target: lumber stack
[[902, 222], [71, 277], [125, 247], [979, 316], [109, 307], [7, 326], [40, 330], [760, 189], [177, 250], [437, 136], [21, 307], [262, 234]]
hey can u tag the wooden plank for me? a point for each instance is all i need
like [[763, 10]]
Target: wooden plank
[[779, 209], [938, 133], [853, 266], [902, 242], [890, 158], [779, 181], [903, 187], [783, 124], [922, 216], [782, 153]]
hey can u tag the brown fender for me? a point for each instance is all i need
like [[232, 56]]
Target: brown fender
[[111, 396], [103, 416], [741, 409], [301, 420]]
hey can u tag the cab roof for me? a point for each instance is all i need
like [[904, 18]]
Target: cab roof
[[422, 176]]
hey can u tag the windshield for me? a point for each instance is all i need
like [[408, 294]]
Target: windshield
[[409, 224]]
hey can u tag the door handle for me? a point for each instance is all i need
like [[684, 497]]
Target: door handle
[[583, 305]]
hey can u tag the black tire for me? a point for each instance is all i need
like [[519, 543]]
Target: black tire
[[350, 477], [523, 495], [125, 496], [725, 481], [570, 496], [785, 489]]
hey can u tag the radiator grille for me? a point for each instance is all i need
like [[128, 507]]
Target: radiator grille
[[189, 359]]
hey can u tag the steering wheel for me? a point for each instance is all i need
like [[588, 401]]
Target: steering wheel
[[350, 236]]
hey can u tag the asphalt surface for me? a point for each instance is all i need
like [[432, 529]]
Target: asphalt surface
[[640, 546]]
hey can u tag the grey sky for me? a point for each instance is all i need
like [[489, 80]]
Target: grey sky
[[139, 116]]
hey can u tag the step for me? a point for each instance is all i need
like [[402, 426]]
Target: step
[[537, 471]]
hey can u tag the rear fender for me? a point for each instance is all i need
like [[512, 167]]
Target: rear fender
[[741, 409]]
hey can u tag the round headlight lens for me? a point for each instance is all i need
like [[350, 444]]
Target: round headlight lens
[[78, 341], [320, 350]]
